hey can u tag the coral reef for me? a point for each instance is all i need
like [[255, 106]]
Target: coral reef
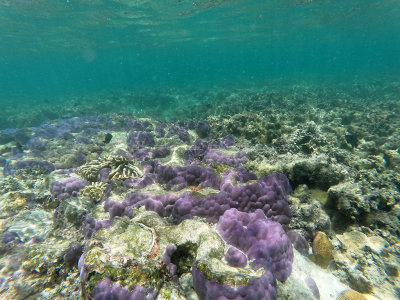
[[203, 209], [268, 194]]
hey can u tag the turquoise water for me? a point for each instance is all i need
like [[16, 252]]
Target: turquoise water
[[53, 49], [189, 108]]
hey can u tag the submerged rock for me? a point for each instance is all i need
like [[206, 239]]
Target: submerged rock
[[347, 199]]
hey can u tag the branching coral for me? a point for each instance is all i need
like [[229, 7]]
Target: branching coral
[[121, 168], [95, 191]]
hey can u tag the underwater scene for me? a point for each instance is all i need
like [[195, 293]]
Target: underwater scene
[[201, 150]]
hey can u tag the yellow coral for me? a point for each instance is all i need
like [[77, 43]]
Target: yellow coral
[[94, 191], [350, 295], [121, 168]]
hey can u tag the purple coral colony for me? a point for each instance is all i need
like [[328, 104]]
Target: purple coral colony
[[251, 214], [159, 177]]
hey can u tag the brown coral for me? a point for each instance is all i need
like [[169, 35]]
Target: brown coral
[[350, 295], [322, 250]]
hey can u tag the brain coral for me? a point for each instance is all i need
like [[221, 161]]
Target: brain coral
[[262, 240]]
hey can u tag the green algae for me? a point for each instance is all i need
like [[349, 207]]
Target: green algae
[[320, 195], [184, 257], [220, 168]]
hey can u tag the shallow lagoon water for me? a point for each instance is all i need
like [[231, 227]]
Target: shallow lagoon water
[[131, 131]]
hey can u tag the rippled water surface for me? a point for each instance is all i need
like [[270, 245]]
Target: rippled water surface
[[58, 48]]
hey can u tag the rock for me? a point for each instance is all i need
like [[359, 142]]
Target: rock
[[348, 200], [296, 286], [358, 241], [360, 282], [316, 172], [308, 215], [34, 224], [363, 257], [392, 158], [391, 270]]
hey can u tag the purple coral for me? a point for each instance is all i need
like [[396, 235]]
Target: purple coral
[[203, 129], [138, 139], [146, 154], [91, 226], [68, 188], [51, 131], [35, 144], [161, 152], [182, 133], [182, 177], [79, 159], [268, 194], [13, 135], [167, 259], [160, 130], [12, 166], [105, 291], [218, 157], [162, 204], [139, 183], [197, 151], [228, 141], [236, 258], [72, 255], [103, 175], [299, 242], [202, 150], [262, 240]]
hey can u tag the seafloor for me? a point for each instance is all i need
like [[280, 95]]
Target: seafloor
[[288, 193]]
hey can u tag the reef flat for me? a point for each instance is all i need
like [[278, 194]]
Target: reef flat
[[262, 194]]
